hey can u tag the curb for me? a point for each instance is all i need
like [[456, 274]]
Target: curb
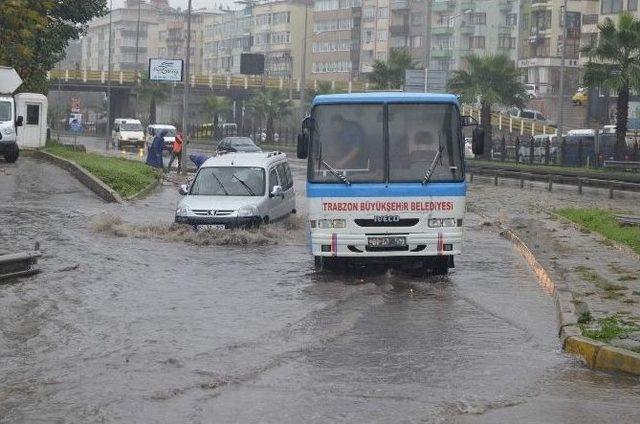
[[144, 192], [102, 190], [596, 355]]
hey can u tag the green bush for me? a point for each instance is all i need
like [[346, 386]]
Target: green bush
[[125, 176]]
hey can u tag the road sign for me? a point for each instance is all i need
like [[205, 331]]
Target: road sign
[[9, 80], [166, 70], [76, 126]]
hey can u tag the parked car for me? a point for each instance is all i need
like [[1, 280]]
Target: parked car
[[237, 144], [127, 132], [532, 90], [154, 129], [581, 97], [238, 190], [530, 114], [539, 149]]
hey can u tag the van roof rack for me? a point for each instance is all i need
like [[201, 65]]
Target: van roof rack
[[274, 153]]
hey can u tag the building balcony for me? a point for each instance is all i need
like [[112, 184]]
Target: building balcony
[[443, 5], [438, 53], [399, 29], [467, 29], [506, 5], [442, 30], [541, 4], [399, 4]]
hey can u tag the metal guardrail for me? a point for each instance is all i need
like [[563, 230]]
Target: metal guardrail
[[551, 178], [512, 124], [19, 264], [628, 220]]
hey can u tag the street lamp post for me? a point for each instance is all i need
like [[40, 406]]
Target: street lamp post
[[457, 40], [562, 60], [136, 68], [185, 93], [108, 126], [303, 75]]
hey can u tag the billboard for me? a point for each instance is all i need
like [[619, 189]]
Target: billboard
[[251, 64], [165, 70]]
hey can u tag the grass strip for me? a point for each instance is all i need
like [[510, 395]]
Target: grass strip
[[609, 328], [125, 176], [604, 223], [578, 172]]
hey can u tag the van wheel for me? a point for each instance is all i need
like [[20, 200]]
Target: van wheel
[[12, 153], [265, 220], [294, 211]]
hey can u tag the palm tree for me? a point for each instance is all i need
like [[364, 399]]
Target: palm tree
[[390, 74], [153, 92], [614, 63], [493, 79], [269, 105], [216, 106]]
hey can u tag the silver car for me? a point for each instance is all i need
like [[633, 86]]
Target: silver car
[[238, 190]]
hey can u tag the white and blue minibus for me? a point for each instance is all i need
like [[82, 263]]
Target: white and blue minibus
[[385, 177]]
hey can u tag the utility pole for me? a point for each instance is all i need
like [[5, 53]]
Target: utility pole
[[108, 126], [137, 62], [303, 76], [562, 59], [185, 94]]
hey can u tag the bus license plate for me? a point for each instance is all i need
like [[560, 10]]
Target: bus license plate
[[387, 241]]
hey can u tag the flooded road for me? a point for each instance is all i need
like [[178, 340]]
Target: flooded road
[[130, 329]]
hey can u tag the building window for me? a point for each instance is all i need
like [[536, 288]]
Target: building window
[[632, 5], [593, 19], [476, 42], [334, 66], [479, 18], [506, 42], [511, 19], [33, 114], [368, 12], [610, 6], [381, 56], [382, 35], [542, 48], [417, 18], [416, 42], [383, 13], [368, 36]]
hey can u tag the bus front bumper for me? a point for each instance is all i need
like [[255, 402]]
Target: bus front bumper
[[358, 245]]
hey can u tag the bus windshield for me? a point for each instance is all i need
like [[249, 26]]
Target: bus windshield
[[350, 139]]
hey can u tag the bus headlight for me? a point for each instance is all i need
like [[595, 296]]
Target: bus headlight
[[444, 222], [326, 224]]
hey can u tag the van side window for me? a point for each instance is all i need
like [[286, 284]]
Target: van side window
[[273, 179], [285, 176]]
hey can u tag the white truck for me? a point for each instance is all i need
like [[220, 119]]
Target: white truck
[[9, 122]]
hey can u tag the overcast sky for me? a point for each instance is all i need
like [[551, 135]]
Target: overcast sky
[[197, 4]]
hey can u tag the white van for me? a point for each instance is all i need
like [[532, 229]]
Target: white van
[[154, 129], [127, 132], [238, 190]]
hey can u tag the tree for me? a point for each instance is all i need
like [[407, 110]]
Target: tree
[[35, 33], [155, 93], [391, 74], [269, 105], [215, 106], [614, 63], [492, 79]]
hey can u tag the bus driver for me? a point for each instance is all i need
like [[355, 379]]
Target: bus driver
[[349, 145]]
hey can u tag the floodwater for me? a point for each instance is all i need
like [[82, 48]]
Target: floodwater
[[123, 328]]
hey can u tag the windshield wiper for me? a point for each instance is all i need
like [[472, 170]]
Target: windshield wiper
[[245, 185], [342, 177], [432, 167], [226, 193]]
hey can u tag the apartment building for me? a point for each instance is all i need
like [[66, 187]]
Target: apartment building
[[274, 28], [335, 43], [125, 38], [463, 27], [541, 40], [374, 41]]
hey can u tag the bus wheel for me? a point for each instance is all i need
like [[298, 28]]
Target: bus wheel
[[440, 266], [318, 263]]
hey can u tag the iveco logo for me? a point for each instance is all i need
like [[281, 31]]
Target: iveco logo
[[386, 218]]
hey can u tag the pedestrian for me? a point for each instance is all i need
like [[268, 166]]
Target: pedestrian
[[154, 154], [198, 160], [176, 152]]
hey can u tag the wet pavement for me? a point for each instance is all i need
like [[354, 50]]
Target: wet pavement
[[128, 329]]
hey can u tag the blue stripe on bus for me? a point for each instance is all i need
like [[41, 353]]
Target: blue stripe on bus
[[384, 190]]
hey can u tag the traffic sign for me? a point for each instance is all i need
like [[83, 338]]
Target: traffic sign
[[76, 126], [9, 80]]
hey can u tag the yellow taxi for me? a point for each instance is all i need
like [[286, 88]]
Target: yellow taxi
[[581, 97]]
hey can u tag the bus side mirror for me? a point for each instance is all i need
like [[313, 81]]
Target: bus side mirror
[[19, 121], [468, 121], [303, 146], [477, 141]]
